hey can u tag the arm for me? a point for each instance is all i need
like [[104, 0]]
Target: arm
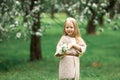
[[80, 46], [58, 52], [77, 47]]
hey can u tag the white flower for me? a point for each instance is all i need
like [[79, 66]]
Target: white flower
[[13, 25], [103, 4], [18, 35], [95, 22], [17, 2], [94, 6], [63, 48], [25, 25], [38, 34], [101, 29], [108, 20]]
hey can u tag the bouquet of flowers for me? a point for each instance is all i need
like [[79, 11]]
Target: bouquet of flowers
[[63, 49]]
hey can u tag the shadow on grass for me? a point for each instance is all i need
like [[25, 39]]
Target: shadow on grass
[[6, 64]]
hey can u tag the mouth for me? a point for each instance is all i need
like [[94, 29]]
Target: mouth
[[69, 32]]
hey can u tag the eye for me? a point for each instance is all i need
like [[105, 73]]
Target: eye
[[67, 27], [71, 27]]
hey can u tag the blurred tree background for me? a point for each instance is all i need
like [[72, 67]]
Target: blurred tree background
[[24, 19]]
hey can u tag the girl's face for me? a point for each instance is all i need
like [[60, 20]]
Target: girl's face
[[69, 28]]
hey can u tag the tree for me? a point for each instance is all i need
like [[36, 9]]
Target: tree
[[35, 48], [32, 14], [30, 11], [91, 10], [8, 12], [94, 11]]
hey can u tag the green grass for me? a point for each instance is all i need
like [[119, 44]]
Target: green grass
[[100, 62]]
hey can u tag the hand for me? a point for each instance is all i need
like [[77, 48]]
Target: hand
[[58, 55]]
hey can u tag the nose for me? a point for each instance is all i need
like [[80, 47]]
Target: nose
[[69, 28]]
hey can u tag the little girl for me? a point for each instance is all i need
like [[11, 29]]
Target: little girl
[[69, 48]]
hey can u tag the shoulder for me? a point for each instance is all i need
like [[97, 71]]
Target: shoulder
[[64, 37], [80, 39]]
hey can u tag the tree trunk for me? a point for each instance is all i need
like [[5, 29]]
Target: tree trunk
[[101, 21], [35, 45], [35, 48], [91, 29], [110, 8], [52, 10]]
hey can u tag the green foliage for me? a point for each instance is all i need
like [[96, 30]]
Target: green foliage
[[14, 11], [20, 17], [100, 62]]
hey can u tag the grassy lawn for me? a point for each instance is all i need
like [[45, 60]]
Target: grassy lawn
[[100, 62]]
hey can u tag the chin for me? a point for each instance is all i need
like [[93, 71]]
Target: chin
[[70, 35]]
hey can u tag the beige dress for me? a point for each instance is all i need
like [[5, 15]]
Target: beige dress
[[69, 64]]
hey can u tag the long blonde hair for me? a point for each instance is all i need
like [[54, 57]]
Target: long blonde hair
[[76, 32]]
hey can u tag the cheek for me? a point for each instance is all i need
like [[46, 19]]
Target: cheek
[[65, 29], [72, 29]]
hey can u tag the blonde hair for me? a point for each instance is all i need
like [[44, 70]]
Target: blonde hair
[[76, 32]]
